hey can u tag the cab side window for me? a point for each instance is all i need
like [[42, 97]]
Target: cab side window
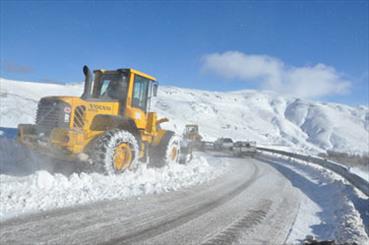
[[140, 91]]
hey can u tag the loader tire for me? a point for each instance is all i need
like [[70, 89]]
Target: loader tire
[[167, 152], [114, 152]]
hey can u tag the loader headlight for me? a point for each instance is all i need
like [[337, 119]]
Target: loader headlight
[[67, 111]]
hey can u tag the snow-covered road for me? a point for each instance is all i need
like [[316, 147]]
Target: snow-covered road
[[250, 195], [253, 202]]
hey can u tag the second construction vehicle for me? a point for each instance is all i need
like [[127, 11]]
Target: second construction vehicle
[[110, 125], [192, 134]]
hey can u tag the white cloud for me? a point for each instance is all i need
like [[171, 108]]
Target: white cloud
[[308, 81]]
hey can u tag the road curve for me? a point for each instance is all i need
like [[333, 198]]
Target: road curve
[[251, 203]]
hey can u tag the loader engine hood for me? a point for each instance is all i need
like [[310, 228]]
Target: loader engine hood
[[70, 112]]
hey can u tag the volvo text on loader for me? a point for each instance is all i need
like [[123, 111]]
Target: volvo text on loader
[[110, 125]]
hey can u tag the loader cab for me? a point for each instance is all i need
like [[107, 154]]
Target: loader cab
[[142, 88], [131, 88]]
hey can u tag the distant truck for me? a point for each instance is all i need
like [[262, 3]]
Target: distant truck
[[244, 148], [223, 144]]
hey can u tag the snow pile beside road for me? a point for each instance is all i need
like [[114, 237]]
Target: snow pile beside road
[[42, 190], [363, 173], [330, 208]]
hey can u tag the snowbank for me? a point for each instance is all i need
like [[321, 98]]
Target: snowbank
[[43, 191], [330, 209], [361, 172]]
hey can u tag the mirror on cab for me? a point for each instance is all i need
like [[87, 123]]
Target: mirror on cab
[[155, 86]]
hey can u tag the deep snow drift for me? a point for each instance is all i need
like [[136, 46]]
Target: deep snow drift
[[264, 117]]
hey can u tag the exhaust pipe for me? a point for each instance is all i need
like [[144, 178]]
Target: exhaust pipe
[[88, 82]]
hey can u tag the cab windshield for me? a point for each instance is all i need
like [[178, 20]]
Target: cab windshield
[[110, 87]]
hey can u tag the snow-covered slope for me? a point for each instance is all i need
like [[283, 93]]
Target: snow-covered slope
[[262, 116]]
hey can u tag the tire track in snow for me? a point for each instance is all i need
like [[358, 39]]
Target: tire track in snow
[[231, 233], [185, 215]]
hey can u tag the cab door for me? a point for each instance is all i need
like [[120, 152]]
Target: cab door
[[140, 100]]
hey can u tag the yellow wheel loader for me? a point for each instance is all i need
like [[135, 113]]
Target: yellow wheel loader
[[110, 125], [191, 141], [192, 133]]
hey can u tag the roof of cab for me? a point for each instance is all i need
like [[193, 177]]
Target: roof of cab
[[130, 70], [142, 74]]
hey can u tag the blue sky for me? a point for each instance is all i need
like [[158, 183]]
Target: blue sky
[[175, 41]]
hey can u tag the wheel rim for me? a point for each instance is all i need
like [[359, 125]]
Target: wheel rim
[[173, 154], [122, 157]]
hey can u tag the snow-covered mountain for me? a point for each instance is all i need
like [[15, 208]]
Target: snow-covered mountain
[[262, 116]]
